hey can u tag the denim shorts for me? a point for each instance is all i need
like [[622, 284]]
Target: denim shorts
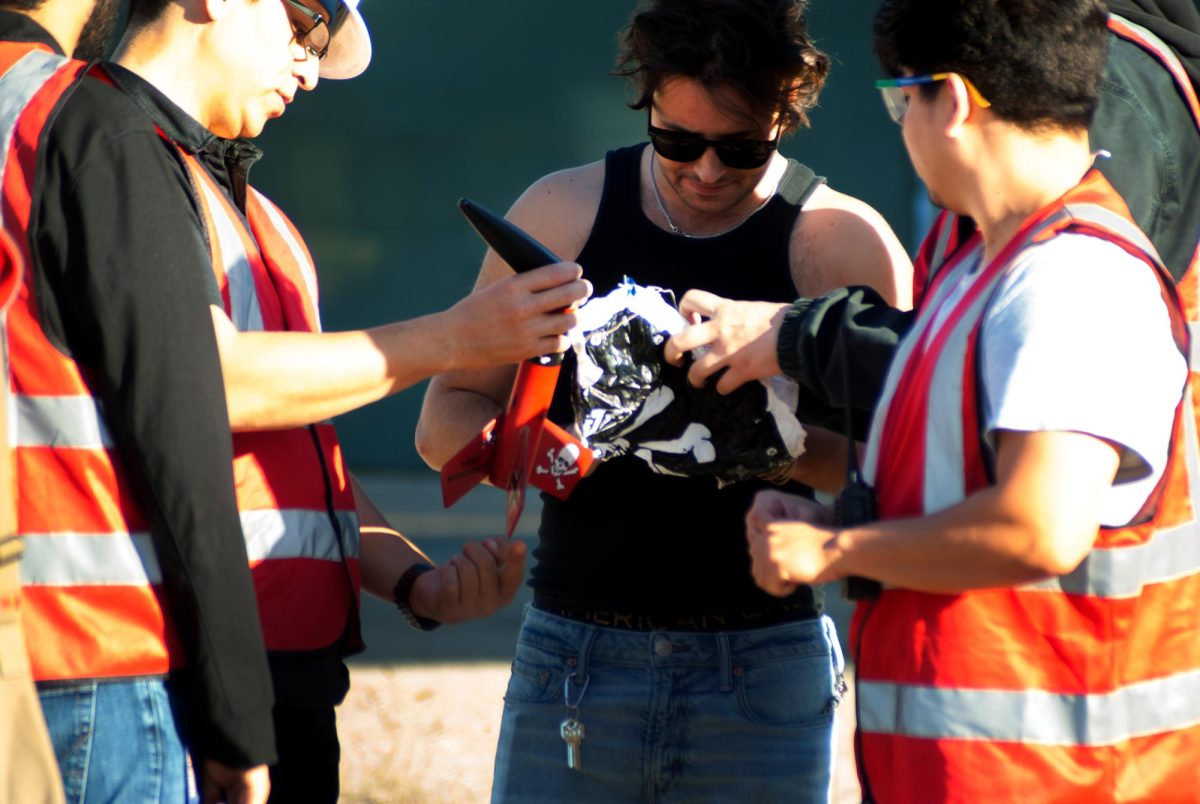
[[670, 715], [118, 740]]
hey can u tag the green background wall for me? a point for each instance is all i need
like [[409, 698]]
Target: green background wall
[[479, 99]]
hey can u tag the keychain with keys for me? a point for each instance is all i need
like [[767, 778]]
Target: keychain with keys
[[571, 729], [572, 733]]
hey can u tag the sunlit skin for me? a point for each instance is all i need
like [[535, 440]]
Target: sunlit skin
[[949, 136], [64, 20], [914, 129], [263, 67], [706, 195]]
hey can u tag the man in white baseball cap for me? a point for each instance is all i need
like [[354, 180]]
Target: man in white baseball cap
[[168, 190], [350, 42]]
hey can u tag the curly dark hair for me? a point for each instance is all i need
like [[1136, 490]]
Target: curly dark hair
[[1038, 62], [758, 48]]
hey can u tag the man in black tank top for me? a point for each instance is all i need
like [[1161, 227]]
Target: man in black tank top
[[649, 664]]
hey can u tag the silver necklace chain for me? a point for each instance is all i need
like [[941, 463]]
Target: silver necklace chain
[[674, 227]]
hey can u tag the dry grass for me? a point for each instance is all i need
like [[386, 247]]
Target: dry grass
[[421, 734]]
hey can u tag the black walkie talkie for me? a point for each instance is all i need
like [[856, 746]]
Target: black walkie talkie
[[855, 503]]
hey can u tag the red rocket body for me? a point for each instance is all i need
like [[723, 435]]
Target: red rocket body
[[519, 447]]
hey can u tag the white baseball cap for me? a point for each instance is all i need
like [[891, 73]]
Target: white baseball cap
[[350, 48]]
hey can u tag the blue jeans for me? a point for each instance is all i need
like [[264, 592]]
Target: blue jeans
[[118, 741], [669, 715]]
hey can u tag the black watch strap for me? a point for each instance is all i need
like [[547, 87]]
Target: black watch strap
[[402, 595]]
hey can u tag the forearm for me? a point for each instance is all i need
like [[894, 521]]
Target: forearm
[[842, 340], [973, 545], [291, 379], [1039, 519], [453, 413], [474, 583], [385, 552], [287, 379], [823, 464]]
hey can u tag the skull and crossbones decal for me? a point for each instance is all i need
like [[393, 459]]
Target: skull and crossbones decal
[[564, 464]]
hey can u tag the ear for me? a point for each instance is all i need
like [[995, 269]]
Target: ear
[[213, 10], [959, 98]]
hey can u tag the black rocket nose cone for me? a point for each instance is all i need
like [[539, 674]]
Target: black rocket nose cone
[[514, 246]]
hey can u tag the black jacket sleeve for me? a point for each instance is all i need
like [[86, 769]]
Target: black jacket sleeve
[[124, 283], [838, 348]]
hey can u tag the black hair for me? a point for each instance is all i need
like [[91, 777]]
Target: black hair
[[760, 49], [146, 11], [1038, 62], [21, 5]]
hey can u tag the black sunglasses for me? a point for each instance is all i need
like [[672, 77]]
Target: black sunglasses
[[684, 146], [310, 28]]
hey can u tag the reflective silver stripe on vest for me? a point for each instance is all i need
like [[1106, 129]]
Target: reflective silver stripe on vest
[[1122, 572], [298, 253], [1102, 216], [944, 469], [924, 320], [295, 533], [945, 461], [87, 559], [1031, 716], [18, 85], [123, 559], [64, 422], [243, 298]]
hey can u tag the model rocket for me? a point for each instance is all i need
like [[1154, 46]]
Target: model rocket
[[520, 446]]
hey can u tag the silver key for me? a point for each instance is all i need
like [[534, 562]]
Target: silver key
[[572, 733]]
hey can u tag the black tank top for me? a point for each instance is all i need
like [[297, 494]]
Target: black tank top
[[629, 540]]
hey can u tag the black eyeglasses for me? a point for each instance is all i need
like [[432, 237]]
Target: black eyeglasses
[[684, 146], [310, 28]]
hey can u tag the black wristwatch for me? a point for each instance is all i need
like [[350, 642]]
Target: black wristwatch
[[402, 595]]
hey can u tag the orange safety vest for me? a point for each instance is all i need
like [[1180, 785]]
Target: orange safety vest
[[90, 576], [1084, 687], [293, 491]]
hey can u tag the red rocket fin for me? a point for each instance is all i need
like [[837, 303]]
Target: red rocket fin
[[471, 465], [559, 462]]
